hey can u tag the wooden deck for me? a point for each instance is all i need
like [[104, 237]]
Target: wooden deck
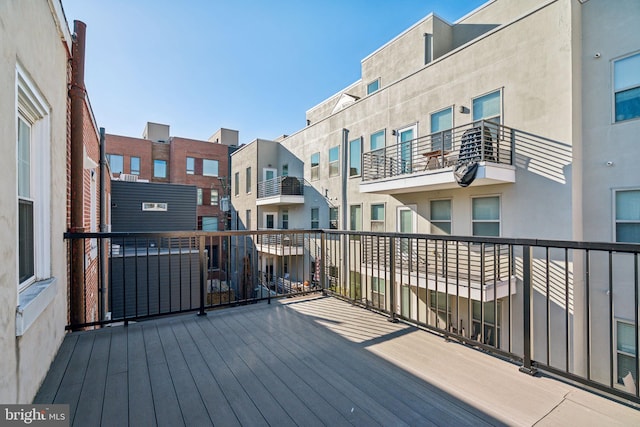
[[309, 361]]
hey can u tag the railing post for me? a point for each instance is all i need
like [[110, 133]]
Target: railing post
[[203, 277], [482, 142], [323, 255], [392, 280], [527, 284], [513, 146]]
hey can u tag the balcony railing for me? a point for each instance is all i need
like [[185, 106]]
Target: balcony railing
[[281, 186], [482, 142], [568, 308]]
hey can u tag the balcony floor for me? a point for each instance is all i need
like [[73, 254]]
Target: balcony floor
[[302, 361]]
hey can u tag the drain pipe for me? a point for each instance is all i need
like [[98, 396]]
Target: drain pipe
[[102, 248], [345, 215], [77, 94]]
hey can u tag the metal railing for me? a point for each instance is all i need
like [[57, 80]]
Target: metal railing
[[481, 141], [568, 308], [281, 186]]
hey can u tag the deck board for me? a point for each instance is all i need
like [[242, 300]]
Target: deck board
[[303, 361]]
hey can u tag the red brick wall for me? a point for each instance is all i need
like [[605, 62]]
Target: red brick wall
[[127, 147]]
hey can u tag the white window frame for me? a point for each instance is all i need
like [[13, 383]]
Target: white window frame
[[166, 167], [155, 206], [378, 221], [351, 158], [488, 119], [499, 221], [334, 163], [617, 352], [217, 163], [314, 170], [413, 149], [192, 170], [275, 220], [448, 136], [110, 156], [211, 198], [131, 170], [615, 213], [351, 209], [236, 184], [199, 197], [32, 107], [336, 209], [614, 91], [317, 221], [431, 220], [369, 92]]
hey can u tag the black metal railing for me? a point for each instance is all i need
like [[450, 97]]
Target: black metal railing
[[281, 186], [568, 308], [481, 141]]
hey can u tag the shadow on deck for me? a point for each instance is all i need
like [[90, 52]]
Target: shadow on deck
[[304, 361]]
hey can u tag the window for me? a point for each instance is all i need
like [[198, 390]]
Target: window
[[373, 86], [213, 200], [247, 181], [116, 163], [487, 107], [486, 216], [333, 218], [407, 147], [334, 158], [441, 124], [33, 179], [236, 183], [315, 218], [441, 216], [285, 170], [199, 191], [248, 219], [160, 168], [377, 140], [209, 167], [191, 165], [355, 218], [378, 286], [627, 216], [626, 85], [155, 206], [625, 351], [134, 165], [377, 217], [439, 304], [488, 336], [355, 157], [209, 223], [285, 220], [315, 166]]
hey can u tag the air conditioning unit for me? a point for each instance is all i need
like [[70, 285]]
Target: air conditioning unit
[[128, 177]]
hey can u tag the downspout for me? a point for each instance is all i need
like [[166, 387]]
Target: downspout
[[77, 94], [102, 247], [345, 217]]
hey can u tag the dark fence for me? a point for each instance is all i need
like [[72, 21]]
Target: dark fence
[[568, 308]]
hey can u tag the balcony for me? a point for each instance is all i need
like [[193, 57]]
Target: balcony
[[281, 243], [375, 347], [428, 163], [281, 190]]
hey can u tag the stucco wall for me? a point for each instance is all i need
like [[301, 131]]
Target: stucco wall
[[29, 36]]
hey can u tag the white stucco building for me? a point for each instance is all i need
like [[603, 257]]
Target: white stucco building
[[552, 87]]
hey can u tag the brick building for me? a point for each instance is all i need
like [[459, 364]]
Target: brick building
[[159, 157]]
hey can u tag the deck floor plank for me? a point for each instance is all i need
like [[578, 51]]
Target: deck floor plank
[[92, 394], [141, 407], [57, 370]]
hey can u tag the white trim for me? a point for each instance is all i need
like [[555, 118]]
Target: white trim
[[450, 200], [414, 217], [275, 220], [501, 90], [613, 87], [614, 229], [499, 221], [414, 148]]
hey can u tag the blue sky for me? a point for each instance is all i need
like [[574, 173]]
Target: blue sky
[[251, 65]]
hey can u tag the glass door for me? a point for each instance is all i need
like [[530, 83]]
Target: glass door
[[406, 138]]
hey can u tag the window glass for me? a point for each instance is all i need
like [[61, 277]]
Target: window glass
[[486, 216], [315, 166], [333, 218], [285, 220], [24, 159], [248, 180], [248, 219], [377, 140], [285, 170], [334, 157], [487, 107], [441, 216], [315, 218], [355, 157], [355, 219], [236, 183], [26, 248], [441, 124], [209, 167], [160, 168], [199, 196], [628, 216], [191, 165], [214, 197], [626, 351], [626, 82], [209, 223], [377, 217], [373, 86], [116, 162], [134, 164]]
